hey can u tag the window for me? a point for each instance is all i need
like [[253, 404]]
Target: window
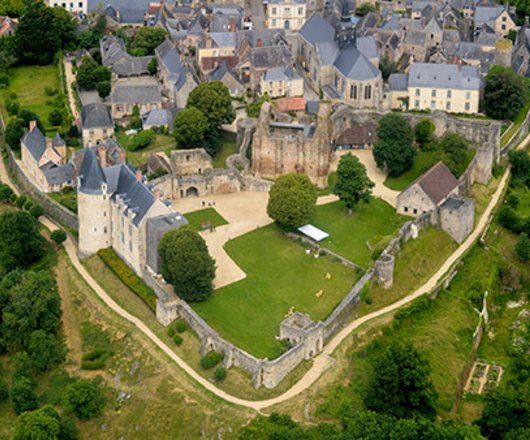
[[415, 211], [368, 92], [417, 103], [105, 230], [273, 22], [300, 11], [433, 93], [406, 209], [130, 246], [122, 238], [449, 93], [104, 213], [448, 105], [353, 92], [503, 27], [287, 10], [468, 95], [467, 106], [417, 92], [130, 230], [433, 105], [273, 12]]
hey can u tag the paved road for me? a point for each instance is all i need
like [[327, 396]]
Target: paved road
[[321, 362]]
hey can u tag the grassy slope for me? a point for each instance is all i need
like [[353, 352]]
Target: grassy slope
[[197, 218], [279, 275], [161, 143], [29, 82], [228, 147], [509, 132], [349, 234]]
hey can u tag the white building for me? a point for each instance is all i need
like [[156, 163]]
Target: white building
[[286, 14], [73, 6], [446, 87]]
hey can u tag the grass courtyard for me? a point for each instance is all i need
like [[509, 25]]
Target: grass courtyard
[[29, 84], [228, 147], [207, 215], [280, 275], [161, 143], [348, 235]]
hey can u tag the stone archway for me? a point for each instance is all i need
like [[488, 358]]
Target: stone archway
[[192, 191]]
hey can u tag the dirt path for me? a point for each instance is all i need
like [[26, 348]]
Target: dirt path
[[70, 78]]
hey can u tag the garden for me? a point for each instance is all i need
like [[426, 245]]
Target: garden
[[281, 277], [205, 218]]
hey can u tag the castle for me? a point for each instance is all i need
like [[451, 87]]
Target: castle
[[117, 209]]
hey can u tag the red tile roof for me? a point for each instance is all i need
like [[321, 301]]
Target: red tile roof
[[290, 104]]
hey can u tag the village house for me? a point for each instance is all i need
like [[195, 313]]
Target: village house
[[114, 207], [286, 14], [43, 160], [280, 81], [76, 7], [499, 18], [229, 78], [114, 55], [96, 123], [128, 93]]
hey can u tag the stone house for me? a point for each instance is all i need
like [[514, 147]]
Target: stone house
[[428, 191], [114, 55], [498, 17], [229, 78], [397, 91], [43, 160], [286, 14], [177, 80], [114, 205], [96, 124], [282, 81], [456, 217], [446, 87], [128, 93], [158, 118]]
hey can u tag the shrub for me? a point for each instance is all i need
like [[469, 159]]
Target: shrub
[[219, 374], [522, 248], [58, 236], [513, 200], [211, 359], [23, 395], [12, 107], [95, 359], [28, 204], [50, 91], [56, 117], [141, 140], [177, 339], [36, 210], [6, 193], [181, 326], [21, 201], [84, 398], [171, 331], [4, 392], [4, 80], [128, 277]]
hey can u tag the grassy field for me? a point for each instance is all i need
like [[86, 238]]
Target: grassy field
[[198, 218], [280, 275], [228, 147], [29, 83], [349, 234], [424, 161], [161, 143]]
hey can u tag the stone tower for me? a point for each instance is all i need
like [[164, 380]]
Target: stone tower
[[503, 52], [93, 206]]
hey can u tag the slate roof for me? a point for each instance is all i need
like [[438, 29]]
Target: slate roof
[[449, 76], [35, 142], [130, 11], [135, 92], [398, 81], [60, 174], [485, 14], [270, 56], [90, 174], [327, 52], [368, 47], [354, 65], [437, 182], [115, 56], [317, 30], [281, 74], [158, 118], [96, 115]]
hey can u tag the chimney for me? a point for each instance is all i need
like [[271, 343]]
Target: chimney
[[232, 24], [138, 176], [122, 157], [102, 157], [32, 125], [207, 41], [260, 43], [156, 194]]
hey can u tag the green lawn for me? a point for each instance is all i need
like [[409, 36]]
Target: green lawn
[[424, 161], [29, 83], [161, 143], [280, 275], [349, 234], [198, 218], [67, 198], [332, 178], [228, 147]]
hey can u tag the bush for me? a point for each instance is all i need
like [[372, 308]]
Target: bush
[[56, 117], [12, 107], [171, 331], [28, 204], [219, 374], [177, 339], [58, 236], [84, 398], [4, 392], [6, 193], [181, 326], [522, 248], [36, 210], [211, 359], [21, 201], [50, 91], [141, 140], [23, 395], [128, 277], [4, 80], [95, 359]]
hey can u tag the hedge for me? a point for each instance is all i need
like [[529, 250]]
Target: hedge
[[128, 277]]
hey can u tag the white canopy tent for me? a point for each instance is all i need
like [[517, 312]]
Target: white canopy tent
[[313, 233]]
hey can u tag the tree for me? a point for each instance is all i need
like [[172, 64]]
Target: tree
[[23, 395], [84, 398], [58, 236], [352, 185], [214, 101], [522, 248], [20, 241], [292, 200], [12, 8], [33, 304], [37, 25], [394, 149], [6, 193], [65, 26], [506, 409], [141, 140], [520, 163], [27, 116], [36, 210], [136, 120], [56, 117], [510, 220], [424, 133], [400, 385], [4, 392], [186, 263], [190, 128], [454, 150], [152, 66], [103, 88], [41, 424], [146, 40], [504, 93], [14, 131], [45, 350], [90, 74], [364, 9], [386, 66]]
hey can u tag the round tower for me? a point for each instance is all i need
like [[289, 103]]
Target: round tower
[[384, 269], [503, 52]]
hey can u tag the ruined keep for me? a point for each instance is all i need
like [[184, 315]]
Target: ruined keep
[[286, 147], [456, 217], [384, 269]]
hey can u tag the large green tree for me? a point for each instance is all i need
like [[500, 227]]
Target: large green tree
[[20, 241], [14, 131], [90, 73], [400, 385], [41, 424], [12, 8], [214, 101], [65, 26], [292, 200], [186, 264], [393, 149], [84, 398], [520, 163], [453, 149], [504, 93], [146, 40], [424, 133], [23, 395], [352, 184], [37, 38], [45, 350], [191, 128]]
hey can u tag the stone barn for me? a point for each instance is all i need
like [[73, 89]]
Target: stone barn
[[428, 191], [456, 217]]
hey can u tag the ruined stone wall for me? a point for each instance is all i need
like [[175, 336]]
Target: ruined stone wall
[[190, 161]]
